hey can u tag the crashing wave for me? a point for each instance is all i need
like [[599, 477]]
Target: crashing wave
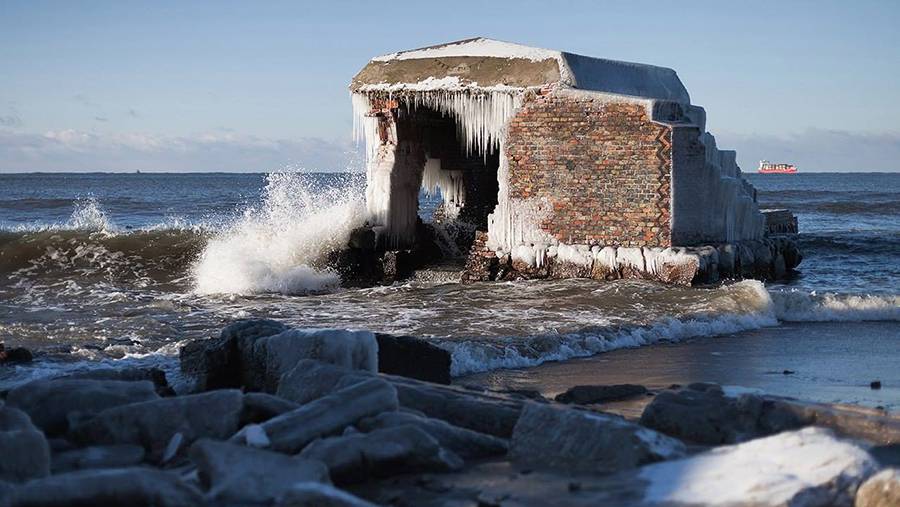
[[280, 246]]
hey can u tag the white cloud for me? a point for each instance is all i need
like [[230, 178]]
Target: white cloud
[[75, 150]]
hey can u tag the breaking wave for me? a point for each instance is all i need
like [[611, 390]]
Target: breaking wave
[[89, 244], [280, 246], [799, 306], [742, 306]]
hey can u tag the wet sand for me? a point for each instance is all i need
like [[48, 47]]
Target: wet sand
[[830, 362]]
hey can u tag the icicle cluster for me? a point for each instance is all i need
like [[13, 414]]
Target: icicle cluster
[[480, 115], [450, 184]]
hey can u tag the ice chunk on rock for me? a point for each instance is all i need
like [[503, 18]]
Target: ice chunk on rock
[[482, 412], [24, 452], [292, 431], [310, 380], [466, 443], [356, 350], [242, 475], [259, 407], [385, 452], [104, 456], [578, 440], [108, 488], [51, 403], [152, 424]]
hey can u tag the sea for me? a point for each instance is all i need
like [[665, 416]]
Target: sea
[[114, 269]]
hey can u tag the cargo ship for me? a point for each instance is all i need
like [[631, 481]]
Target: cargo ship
[[766, 167]]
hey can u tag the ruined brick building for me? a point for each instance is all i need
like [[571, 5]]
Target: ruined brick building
[[566, 165]]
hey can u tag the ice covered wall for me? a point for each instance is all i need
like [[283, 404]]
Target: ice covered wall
[[688, 192], [711, 202]]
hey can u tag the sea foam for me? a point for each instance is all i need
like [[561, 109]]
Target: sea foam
[[279, 246]]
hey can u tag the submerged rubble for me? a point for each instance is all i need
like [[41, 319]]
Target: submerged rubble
[[333, 431]]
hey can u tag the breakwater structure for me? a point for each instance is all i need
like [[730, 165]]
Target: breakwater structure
[[553, 165]]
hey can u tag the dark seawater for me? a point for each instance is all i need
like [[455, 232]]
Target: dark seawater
[[127, 267]]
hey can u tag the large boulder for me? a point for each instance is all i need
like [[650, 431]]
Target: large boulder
[[706, 414], [467, 444], [699, 413], [218, 363], [360, 456], [108, 488], [154, 424], [881, 490], [585, 395], [488, 413], [309, 380], [805, 468], [51, 404], [104, 456], [24, 452], [291, 431], [278, 354], [578, 440], [314, 494], [413, 357], [234, 474]]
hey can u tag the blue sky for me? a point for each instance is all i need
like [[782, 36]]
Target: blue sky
[[261, 86]]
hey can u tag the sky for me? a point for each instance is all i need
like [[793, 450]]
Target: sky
[[262, 86]]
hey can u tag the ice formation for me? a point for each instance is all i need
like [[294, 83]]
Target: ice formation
[[448, 182]]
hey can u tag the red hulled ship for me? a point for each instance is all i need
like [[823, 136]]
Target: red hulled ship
[[766, 167]]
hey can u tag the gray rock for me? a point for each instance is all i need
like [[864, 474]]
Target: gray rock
[[699, 413], [310, 380], [218, 363], [413, 357], [259, 407], [24, 451], [153, 424], [880, 490], [51, 403], [314, 494], [155, 375], [278, 354], [584, 395], [467, 444], [578, 440], [703, 413], [482, 412], [108, 488], [292, 431], [238, 474], [107, 456], [360, 456]]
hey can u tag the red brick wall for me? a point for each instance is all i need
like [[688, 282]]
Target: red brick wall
[[605, 167]]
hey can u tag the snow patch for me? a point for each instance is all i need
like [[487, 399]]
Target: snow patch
[[474, 47], [778, 470]]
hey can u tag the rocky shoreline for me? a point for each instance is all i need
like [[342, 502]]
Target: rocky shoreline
[[291, 417]]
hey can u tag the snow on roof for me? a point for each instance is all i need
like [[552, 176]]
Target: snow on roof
[[479, 46], [486, 64]]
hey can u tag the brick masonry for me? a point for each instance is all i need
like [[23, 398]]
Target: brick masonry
[[604, 167]]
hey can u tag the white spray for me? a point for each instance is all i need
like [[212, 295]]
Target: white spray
[[279, 246]]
